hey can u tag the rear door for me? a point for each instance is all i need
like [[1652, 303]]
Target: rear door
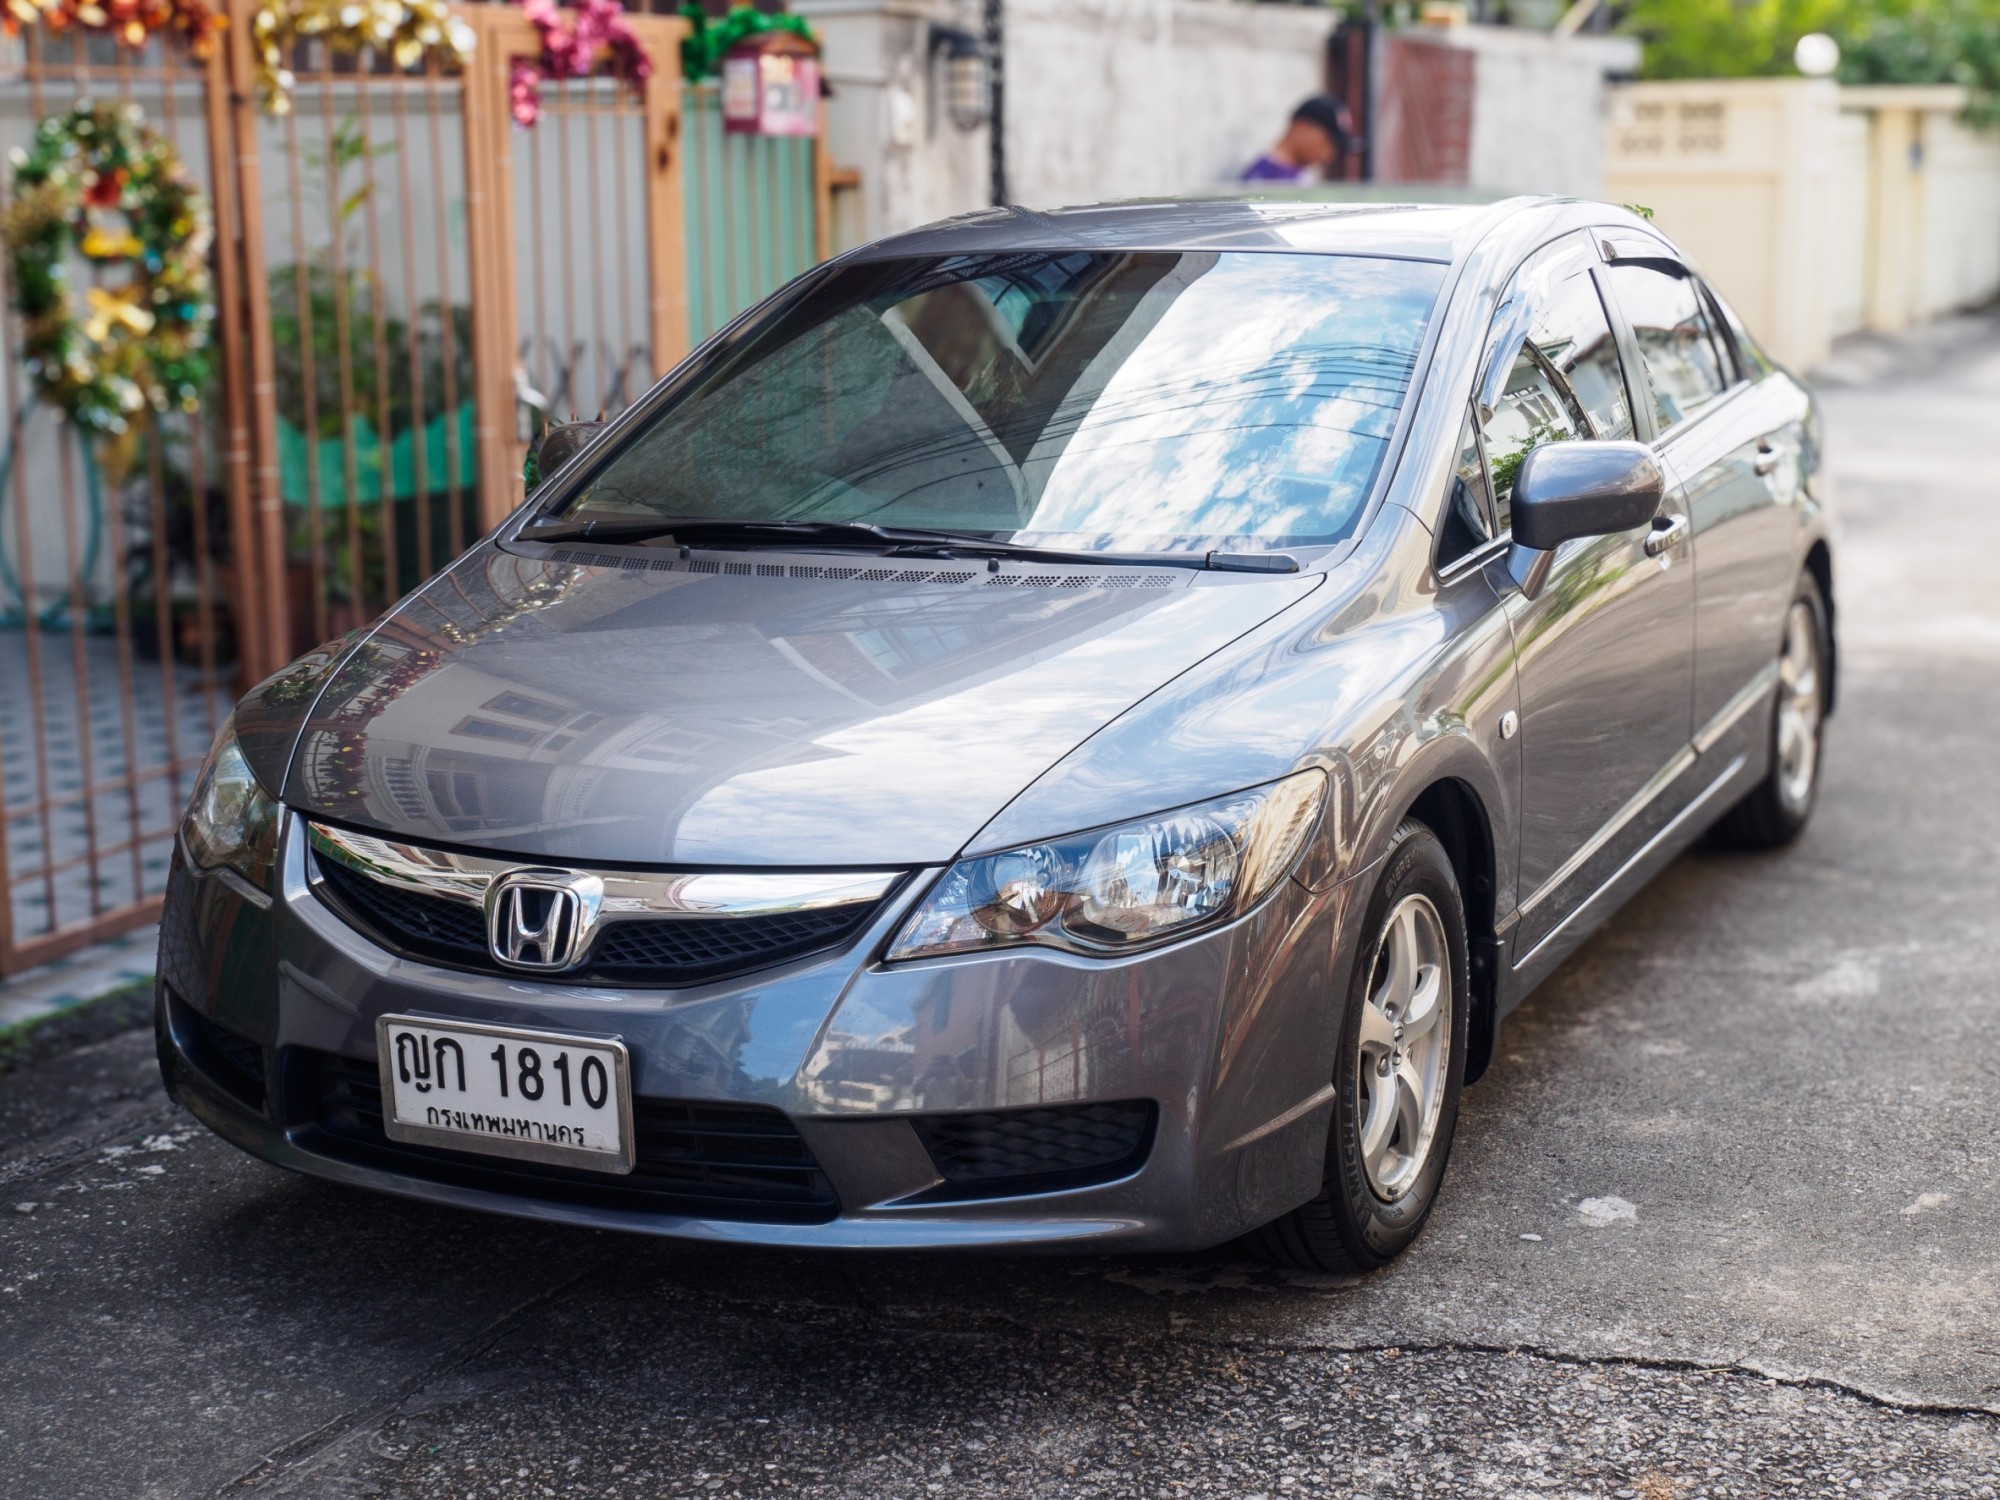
[[1730, 439]]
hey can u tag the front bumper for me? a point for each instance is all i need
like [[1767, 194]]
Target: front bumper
[[1228, 1037]]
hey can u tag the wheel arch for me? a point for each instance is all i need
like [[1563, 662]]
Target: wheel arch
[[1454, 811], [1819, 563]]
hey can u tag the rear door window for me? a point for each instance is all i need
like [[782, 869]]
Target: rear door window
[[1686, 365]]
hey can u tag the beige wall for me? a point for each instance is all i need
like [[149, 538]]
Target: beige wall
[[1817, 210], [1961, 215], [1740, 173]]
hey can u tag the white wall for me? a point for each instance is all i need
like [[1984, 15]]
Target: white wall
[[1538, 108], [887, 114], [1145, 98], [1105, 99]]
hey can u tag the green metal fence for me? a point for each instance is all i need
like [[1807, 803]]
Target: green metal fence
[[750, 211]]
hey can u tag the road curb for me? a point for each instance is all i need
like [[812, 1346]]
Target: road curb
[[102, 991]]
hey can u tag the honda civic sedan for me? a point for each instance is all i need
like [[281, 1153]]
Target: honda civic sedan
[[1063, 729]]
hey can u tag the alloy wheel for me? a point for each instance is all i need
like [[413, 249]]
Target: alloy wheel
[[1405, 1047]]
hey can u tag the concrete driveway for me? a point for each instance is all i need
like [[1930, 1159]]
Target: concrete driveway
[[1722, 1220]]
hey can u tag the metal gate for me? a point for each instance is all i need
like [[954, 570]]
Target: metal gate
[[119, 633], [407, 285]]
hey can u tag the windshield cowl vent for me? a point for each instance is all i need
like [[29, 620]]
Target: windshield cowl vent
[[959, 576]]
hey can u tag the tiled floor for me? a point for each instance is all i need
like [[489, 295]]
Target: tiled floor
[[71, 981], [125, 723]]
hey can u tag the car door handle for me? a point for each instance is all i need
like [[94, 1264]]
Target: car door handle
[[1767, 458], [1667, 530]]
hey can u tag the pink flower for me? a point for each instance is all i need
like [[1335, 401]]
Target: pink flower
[[571, 40], [524, 93]]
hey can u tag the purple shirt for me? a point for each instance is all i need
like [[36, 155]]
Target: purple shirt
[[1268, 168]]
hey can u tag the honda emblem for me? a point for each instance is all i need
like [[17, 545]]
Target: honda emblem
[[541, 920]]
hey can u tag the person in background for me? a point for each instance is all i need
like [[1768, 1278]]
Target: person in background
[[1320, 133]]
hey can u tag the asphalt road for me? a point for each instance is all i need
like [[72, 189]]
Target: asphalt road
[[1722, 1220]]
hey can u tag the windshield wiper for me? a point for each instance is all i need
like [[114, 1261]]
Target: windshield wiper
[[622, 529], [898, 541]]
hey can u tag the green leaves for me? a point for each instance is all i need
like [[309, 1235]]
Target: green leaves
[[709, 41], [1881, 41]]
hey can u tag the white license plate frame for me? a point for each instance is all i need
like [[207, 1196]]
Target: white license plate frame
[[532, 1117]]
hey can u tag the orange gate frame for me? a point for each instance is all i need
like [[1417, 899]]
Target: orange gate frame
[[247, 384], [503, 34]]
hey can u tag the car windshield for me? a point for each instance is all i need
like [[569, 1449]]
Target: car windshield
[[1128, 401]]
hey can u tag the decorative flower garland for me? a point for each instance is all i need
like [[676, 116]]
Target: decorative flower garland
[[132, 22], [571, 40], [708, 41], [409, 31], [98, 181]]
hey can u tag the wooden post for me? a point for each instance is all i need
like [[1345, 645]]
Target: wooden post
[[823, 175], [666, 202], [503, 33], [257, 507]]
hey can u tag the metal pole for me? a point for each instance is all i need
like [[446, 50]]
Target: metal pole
[[996, 123]]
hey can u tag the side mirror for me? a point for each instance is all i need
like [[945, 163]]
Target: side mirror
[[555, 447], [1568, 490]]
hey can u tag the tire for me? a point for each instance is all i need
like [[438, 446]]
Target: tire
[[1779, 807], [1371, 1207]]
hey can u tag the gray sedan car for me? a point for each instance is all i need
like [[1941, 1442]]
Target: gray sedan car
[[1055, 729]]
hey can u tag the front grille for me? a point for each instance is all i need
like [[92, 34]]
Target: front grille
[[700, 947], [639, 951], [430, 926], [710, 1161], [999, 1153]]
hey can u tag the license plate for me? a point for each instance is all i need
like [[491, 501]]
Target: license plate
[[507, 1091]]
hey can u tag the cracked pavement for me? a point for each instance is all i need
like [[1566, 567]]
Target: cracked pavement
[[1720, 1222]]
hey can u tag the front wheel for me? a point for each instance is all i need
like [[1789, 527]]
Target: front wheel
[[1398, 1072], [1778, 807]]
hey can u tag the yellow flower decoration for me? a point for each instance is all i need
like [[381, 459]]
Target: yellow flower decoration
[[109, 244], [97, 180], [119, 309], [132, 22], [409, 31]]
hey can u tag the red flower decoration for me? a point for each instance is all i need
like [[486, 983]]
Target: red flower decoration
[[571, 40], [106, 189], [132, 22]]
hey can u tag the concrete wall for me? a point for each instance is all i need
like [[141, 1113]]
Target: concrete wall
[[1817, 210], [1960, 171], [1110, 99], [888, 116], [1146, 98], [1105, 99], [1538, 107], [1847, 253], [1740, 173]]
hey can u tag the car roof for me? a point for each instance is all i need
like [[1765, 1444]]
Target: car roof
[[1415, 231]]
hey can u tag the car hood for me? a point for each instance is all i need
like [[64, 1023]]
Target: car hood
[[764, 710]]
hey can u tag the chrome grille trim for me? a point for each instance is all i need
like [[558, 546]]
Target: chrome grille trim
[[627, 893]]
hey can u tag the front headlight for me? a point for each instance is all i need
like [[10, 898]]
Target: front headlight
[[1118, 889], [232, 823]]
